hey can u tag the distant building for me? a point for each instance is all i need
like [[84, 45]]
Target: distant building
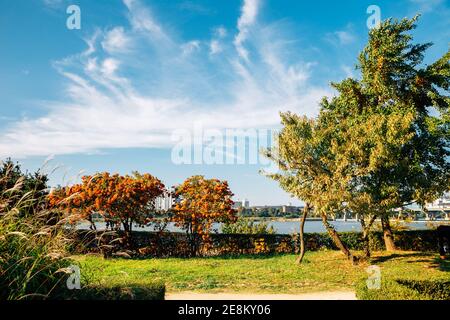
[[241, 204], [237, 205], [289, 209], [164, 202]]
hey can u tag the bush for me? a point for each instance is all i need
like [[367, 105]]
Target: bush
[[173, 244], [31, 251], [437, 290], [155, 291], [21, 189], [405, 290], [245, 226]]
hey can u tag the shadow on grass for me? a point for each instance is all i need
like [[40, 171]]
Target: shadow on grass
[[430, 257], [443, 265], [216, 257]]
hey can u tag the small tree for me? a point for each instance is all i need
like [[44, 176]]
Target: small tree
[[308, 168], [18, 186], [121, 200], [199, 203]]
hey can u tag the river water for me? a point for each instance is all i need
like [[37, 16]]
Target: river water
[[288, 227]]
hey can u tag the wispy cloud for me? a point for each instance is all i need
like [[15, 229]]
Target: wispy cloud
[[116, 40], [195, 7], [342, 37], [248, 16], [175, 84], [53, 4], [190, 46]]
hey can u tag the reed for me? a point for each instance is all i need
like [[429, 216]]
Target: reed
[[32, 243]]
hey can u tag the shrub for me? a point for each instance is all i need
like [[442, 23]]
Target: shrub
[[199, 203], [121, 201], [154, 291], [21, 189], [173, 244], [245, 226], [398, 289], [31, 251], [437, 290]]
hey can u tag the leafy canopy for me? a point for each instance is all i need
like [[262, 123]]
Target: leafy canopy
[[382, 141]]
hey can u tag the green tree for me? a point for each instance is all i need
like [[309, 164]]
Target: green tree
[[23, 190], [381, 143], [409, 163]]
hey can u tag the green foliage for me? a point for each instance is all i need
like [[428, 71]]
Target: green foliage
[[376, 145], [436, 289], [401, 289], [245, 226], [390, 290], [21, 190], [151, 244], [154, 291], [381, 143], [32, 249]]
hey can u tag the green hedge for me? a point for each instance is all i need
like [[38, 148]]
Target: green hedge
[[400, 289], [154, 291], [171, 244]]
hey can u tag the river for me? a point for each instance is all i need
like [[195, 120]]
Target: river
[[288, 227]]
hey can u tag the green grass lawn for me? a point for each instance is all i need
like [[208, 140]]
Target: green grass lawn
[[321, 271]]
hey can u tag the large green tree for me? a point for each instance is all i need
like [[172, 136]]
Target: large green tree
[[381, 143]]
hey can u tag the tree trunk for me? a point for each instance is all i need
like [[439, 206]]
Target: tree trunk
[[387, 233], [337, 240], [366, 232], [302, 227]]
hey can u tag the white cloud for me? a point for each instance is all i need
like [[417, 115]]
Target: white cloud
[[191, 46], [109, 66], [345, 37], [116, 41], [249, 12], [142, 20], [214, 47], [220, 32], [167, 91], [342, 37]]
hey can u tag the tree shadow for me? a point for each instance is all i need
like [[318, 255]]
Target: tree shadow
[[430, 257], [443, 265]]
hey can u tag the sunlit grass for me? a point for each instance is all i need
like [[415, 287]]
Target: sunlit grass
[[321, 271]]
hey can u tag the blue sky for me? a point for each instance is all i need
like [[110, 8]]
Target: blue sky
[[110, 96]]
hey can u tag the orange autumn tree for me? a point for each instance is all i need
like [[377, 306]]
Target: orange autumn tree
[[199, 203], [120, 200]]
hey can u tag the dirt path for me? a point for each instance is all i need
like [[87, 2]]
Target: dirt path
[[332, 295]]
